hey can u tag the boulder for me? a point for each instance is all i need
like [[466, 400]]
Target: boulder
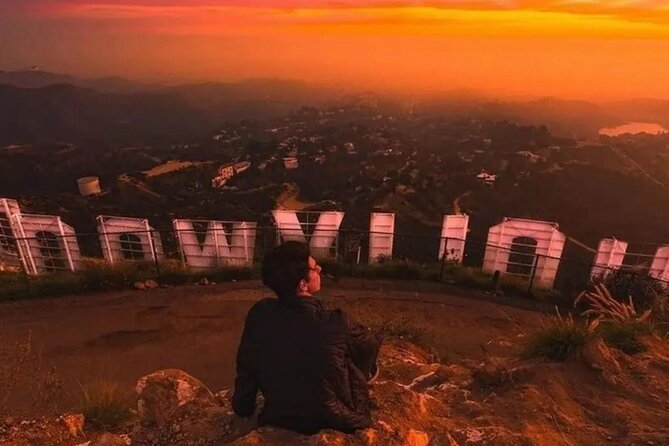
[[167, 394], [74, 423], [107, 439], [415, 437], [150, 284]]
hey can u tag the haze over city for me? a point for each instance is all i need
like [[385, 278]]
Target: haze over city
[[596, 50]]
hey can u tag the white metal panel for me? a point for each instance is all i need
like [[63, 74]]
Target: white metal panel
[[660, 267], [9, 254], [610, 255], [289, 226], [323, 237], [235, 245], [112, 230], [325, 233], [550, 244], [46, 243], [453, 237], [194, 254], [381, 236]]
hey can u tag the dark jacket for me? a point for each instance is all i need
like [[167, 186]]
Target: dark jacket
[[310, 364]]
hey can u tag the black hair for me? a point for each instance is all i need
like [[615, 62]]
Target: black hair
[[285, 266]]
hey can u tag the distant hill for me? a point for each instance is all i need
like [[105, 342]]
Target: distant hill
[[41, 79], [38, 106], [70, 113], [642, 110], [252, 98]]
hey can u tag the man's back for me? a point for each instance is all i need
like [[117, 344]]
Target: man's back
[[296, 354]]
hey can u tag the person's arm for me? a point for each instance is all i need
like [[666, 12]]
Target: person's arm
[[363, 345], [246, 382], [340, 381]]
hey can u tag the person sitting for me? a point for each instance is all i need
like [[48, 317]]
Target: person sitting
[[310, 364]]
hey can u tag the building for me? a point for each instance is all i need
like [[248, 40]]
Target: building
[[291, 162], [89, 186], [241, 166], [487, 178]]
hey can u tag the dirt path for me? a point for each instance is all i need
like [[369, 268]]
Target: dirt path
[[457, 209], [122, 336], [288, 200]]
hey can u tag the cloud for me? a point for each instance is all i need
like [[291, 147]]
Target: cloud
[[607, 18]]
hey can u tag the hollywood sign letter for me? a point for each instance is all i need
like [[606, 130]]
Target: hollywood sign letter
[[233, 246], [660, 267], [453, 237], [541, 243], [9, 254], [45, 243], [381, 236], [610, 255], [321, 240], [129, 239]]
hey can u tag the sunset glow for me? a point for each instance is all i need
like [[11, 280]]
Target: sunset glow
[[551, 47]]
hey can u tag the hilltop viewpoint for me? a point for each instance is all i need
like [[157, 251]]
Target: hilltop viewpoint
[[155, 367]]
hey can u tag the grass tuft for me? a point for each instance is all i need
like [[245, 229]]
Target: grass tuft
[[625, 336], [104, 404], [559, 340]]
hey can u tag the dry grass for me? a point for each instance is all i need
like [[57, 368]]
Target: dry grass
[[560, 339], [604, 307], [22, 367], [104, 404], [620, 325]]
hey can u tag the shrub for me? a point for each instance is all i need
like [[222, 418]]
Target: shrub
[[660, 316], [622, 284], [559, 340], [604, 307], [104, 405], [468, 277], [625, 336]]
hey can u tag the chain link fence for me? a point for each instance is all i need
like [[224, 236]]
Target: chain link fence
[[212, 249]]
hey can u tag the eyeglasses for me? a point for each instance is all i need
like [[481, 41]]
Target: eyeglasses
[[316, 268]]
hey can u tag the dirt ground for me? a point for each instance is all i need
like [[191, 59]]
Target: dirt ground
[[122, 336]]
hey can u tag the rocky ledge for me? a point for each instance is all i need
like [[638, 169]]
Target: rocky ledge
[[418, 401]]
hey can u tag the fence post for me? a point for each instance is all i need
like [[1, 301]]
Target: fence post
[[26, 276], [443, 260], [155, 254], [534, 273]]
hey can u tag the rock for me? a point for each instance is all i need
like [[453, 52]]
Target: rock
[[107, 439], [139, 286], [416, 438], [74, 423], [150, 284], [369, 437], [203, 281], [163, 395], [9, 421], [252, 439], [493, 372], [330, 438]]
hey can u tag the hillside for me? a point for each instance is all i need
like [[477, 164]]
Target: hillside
[[452, 373], [68, 113]]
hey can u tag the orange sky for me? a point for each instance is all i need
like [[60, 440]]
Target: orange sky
[[593, 49]]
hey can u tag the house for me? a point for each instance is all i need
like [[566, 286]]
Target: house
[[291, 162], [487, 178]]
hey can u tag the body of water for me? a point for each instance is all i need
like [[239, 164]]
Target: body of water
[[634, 127]]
